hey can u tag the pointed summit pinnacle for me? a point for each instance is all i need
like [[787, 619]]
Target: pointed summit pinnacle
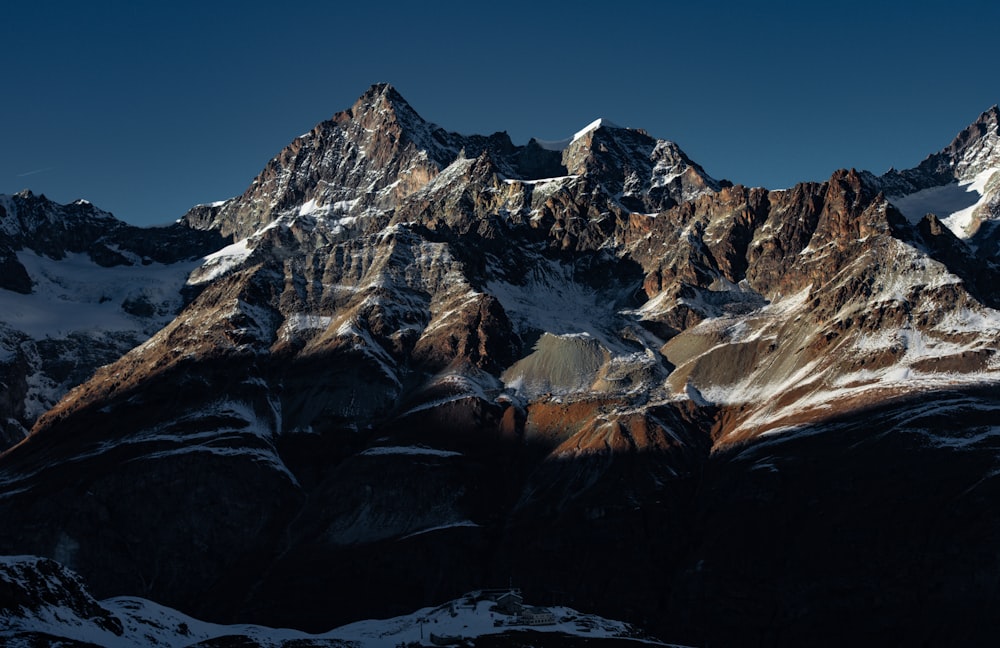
[[977, 147], [987, 123], [991, 117], [381, 96], [378, 90], [382, 105]]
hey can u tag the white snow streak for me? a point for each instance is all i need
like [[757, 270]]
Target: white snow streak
[[408, 450], [953, 203], [592, 126]]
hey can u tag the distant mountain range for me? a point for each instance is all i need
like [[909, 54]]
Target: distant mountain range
[[406, 364]]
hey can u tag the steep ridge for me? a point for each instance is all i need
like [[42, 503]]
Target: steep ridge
[[957, 184], [78, 288], [425, 363], [364, 161]]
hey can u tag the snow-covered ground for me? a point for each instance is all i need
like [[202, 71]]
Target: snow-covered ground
[[954, 204], [86, 311], [75, 294], [550, 299], [220, 262], [145, 623]]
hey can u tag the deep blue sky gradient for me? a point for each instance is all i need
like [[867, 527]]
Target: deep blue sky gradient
[[146, 109]]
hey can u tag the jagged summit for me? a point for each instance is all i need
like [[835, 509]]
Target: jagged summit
[[383, 97], [381, 108], [990, 118], [379, 98], [381, 90], [375, 157], [978, 146], [975, 149]]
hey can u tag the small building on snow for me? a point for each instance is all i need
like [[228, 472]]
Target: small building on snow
[[510, 603], [537, 616]]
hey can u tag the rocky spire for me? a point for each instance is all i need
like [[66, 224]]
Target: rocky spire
[[974, 150], [977, 147]]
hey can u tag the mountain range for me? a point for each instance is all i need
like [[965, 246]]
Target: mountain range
[[407, 363]]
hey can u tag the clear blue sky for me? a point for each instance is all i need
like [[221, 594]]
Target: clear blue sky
[[148, 108]]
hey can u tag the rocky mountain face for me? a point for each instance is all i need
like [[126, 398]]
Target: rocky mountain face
[[429, 362], [78, 289], [959, 185]]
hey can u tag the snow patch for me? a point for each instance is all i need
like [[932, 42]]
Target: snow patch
[[75, 295], [308, 208], [408, 450], [441, 527], [313, 208], [220, 262], [960, 222], [954, 204], [551, 300], [967, 320], [472, 617], [542, 181], [303, 322]]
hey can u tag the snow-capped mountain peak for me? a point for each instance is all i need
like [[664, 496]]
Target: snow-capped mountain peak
[[977, 148], [959, 184]]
